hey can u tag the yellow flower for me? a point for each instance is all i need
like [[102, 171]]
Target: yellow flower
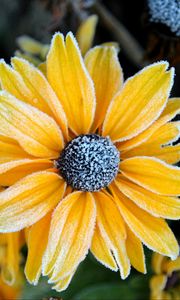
[[166, 283], [81, 153]]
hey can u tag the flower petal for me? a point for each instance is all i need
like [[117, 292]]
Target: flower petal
[[13, 82], [106, 73], [41, 91], [170, 111], [101, 250], [153, 232], [29, 200], [139, 103], [172, 266], [63, 283], [152, 174], [157, 284], [10, 150], [12, 171], [70, 235], [86, 32], [70, 80], [36, 242], [36, 132], [135, 251], [165, 134], [157, 205], [157, 262], [10, 268], [113, 232]]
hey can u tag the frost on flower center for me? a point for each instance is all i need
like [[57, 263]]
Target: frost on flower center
[[89, 162]]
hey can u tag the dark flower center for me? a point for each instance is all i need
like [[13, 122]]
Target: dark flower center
[[89, 162]]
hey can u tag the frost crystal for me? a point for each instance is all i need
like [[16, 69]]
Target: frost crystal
[[166, 12], [89, 162]]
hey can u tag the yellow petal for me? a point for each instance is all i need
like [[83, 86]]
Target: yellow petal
[[152, 174], [157, 284], [153, 232], [166, 134], [139, 103], [86, 32], [106, 73], [102, 251], [70, 235], [10, 150], [113, 231], [41, 91], [10, 269], [29, 200], [71, 82], [13, 82], [157, 205], [157, 262], [37, 242], [170, 111], [32, 46], [12, 171], [135, 251], [35, 131], [43, 68], [63, 283], [172, 266]]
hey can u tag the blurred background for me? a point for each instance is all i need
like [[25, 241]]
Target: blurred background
[[145, 34]]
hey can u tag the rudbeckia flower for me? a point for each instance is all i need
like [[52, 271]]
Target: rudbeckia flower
[[165, 284], [82, 154]]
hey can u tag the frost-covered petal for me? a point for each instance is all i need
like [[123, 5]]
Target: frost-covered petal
[[139, 103], [152, 174], [70, 235], [36, 132], [104, 68], [70, 80], [29, 200]]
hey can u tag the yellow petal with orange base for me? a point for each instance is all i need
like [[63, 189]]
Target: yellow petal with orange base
[[171, 110], [36, 132], [104, 68], [41, 91], [70, 80], [101, 250], [29, 200], [12, 259], [139, 103], [70, 235], [152, 174], [157, 205], [114, 233], [10, 150], [135, 251], [153, 232], [14, 83], [166, 134], [12, 171], [37, 239], [86, 32]]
